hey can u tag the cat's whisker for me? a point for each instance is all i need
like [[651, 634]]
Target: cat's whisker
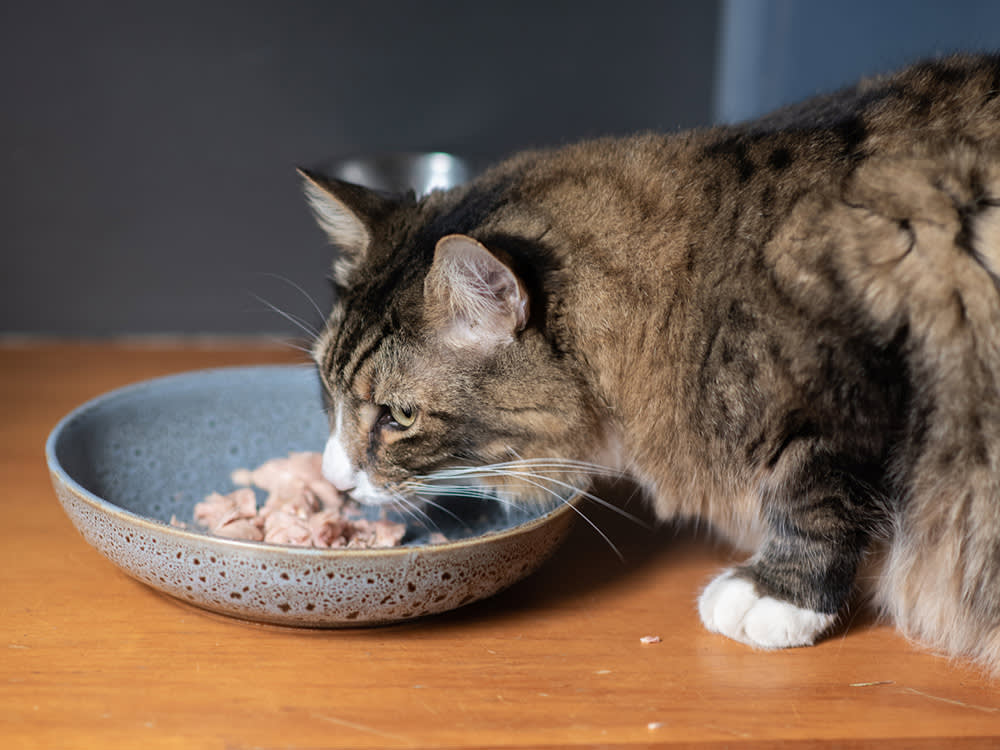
[[537, 481], [509, 503], [398, 505], [583, 493], [414, 511], [563, 466], [297, 288], [406, 507], [581, 514], [293, 319], [479, 491], [427, 501], [290, 344]]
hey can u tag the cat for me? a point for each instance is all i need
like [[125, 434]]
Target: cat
[[788, 329]]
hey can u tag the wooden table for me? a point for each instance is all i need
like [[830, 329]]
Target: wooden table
[[89, 658]]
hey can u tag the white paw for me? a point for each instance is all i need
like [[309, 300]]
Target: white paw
[[730, 605]]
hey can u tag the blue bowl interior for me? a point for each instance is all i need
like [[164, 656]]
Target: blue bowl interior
[[157, 448]]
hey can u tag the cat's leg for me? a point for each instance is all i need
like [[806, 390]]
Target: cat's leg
[[791, 591]]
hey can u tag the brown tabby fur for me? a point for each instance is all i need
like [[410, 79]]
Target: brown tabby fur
[[789, 329]]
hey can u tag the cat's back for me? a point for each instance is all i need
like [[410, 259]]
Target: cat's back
[[924, 111], [954, 93], [742, 181]]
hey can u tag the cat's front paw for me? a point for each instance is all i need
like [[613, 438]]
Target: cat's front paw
[[730, 605]]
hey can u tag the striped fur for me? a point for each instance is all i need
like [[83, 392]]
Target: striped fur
[[789, 329]]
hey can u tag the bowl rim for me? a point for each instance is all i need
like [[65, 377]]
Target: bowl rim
[[60, 474]]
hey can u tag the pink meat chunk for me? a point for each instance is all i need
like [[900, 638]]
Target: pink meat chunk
[[302, 508], [285, 527], [241, 528], [216, 509], [233, 515], [388, 533]]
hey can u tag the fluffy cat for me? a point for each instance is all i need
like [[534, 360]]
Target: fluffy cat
[[789, 329]]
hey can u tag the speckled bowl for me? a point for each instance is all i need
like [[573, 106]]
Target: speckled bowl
[[123, 464]]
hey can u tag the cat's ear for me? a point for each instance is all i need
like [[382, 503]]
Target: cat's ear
[[347, 213], [472, 297]]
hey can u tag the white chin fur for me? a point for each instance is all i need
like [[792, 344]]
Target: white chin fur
[[731, 606], [337, 466], [340, 472], [367, 493]]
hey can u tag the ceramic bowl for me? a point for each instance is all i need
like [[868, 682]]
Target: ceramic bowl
[[127, 462]]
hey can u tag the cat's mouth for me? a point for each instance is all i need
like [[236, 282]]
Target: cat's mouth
[[367, 493]]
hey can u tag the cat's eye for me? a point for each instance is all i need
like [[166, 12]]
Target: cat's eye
[[403, 416]]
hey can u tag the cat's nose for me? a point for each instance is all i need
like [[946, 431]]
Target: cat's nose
[[337, 466]]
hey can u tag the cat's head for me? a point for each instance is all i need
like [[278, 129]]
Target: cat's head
[[439, 361]]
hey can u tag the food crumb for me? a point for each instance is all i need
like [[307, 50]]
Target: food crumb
[[650, 639], [654, 725]]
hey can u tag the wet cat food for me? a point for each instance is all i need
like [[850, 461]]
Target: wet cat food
[[301, 508]]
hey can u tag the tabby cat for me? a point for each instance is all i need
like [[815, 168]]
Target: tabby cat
[[788, 329]]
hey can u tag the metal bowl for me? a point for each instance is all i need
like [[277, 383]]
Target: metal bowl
[[127, 462], [399, 172]]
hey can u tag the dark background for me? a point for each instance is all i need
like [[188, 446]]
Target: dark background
[[148, 148]]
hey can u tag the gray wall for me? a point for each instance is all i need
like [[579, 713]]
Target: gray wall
[[774, 52], [147, 148]]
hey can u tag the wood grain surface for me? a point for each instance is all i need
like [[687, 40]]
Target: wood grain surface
[[90, 658]]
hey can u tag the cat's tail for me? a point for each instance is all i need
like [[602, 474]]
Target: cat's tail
[[936, 276]]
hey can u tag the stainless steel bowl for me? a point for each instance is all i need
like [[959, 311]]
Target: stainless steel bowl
[[399, 172]]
